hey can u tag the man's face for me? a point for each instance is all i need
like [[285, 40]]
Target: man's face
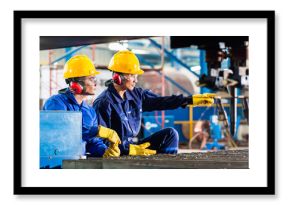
[[131, 80], [91, 84]]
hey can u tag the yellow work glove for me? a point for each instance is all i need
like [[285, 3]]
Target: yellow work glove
[[138, 150], [206, 99], [112, 151], [109, 134]]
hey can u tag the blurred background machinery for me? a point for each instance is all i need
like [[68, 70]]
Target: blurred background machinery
[[173, 65]]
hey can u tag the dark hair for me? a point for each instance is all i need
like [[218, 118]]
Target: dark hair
[[121, 74]]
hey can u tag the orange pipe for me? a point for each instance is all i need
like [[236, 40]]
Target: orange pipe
[[93, 52], [163, 94], [50, 72], [190, 122], [162, 82]]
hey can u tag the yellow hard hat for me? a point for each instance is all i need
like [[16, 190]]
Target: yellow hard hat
[[79, 66], [125, 62]]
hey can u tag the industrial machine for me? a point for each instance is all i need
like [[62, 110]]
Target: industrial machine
[[216, 134], [224, 68]]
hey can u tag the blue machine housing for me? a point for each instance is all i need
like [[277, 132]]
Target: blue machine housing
[[153, 124], [60, 137], [216, 134]]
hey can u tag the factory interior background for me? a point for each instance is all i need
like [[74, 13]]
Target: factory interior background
[[173, 65]]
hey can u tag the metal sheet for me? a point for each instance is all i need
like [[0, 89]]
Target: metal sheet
[[60, 137]]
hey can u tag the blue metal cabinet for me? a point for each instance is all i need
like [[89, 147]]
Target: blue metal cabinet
[[60, 137]]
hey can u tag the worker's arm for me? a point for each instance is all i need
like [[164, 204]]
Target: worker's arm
[[103, 110], [152, 101], [95, 145], [104, 129], [89, 124], [95, 135]]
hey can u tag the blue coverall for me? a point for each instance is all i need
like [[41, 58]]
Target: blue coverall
[[124, 116], [65, 100]]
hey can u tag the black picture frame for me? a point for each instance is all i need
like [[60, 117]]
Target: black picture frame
[[19, 189]]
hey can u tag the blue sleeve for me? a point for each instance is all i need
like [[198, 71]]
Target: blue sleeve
[[103, 110], [90, 124], [152, 101], [54, 104], [95, 145]]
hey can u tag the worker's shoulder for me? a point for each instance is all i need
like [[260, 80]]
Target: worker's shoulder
[[105, 95], [103, 99], [141, 92], [137, 91], [57, 97], [55, 102]]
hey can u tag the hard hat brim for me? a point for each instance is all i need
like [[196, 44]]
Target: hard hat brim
[[96, 72], [140, 72], [66, 76]]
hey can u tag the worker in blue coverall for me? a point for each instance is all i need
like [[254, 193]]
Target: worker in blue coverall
[[80, 75], [120, 108]]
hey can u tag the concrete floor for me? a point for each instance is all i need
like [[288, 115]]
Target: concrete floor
[[185, 159]]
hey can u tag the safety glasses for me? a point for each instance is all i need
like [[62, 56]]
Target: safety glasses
[[133, 76], [92, 79]]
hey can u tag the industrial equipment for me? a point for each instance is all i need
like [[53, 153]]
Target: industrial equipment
[[152, 124], [222, 116]]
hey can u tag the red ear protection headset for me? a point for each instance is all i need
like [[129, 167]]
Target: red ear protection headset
[[118, 79], [76, 87]]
